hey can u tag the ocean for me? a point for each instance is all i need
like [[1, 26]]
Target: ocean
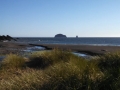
[[110, 41]]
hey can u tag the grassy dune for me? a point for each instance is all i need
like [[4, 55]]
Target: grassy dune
[[60, 70]]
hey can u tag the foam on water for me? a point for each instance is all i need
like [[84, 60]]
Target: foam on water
[[80, 54], [86, 56], [34, 48]]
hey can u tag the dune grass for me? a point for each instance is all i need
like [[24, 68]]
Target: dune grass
[[13, 61], [60, 70], [45, 59], [109, 64]]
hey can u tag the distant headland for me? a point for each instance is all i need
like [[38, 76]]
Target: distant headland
[[7, 37], [60, 36]]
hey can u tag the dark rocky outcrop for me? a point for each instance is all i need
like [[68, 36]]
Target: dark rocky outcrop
[[60, 36], [7, 37], [76, 36]]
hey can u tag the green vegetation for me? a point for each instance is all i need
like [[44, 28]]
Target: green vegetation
[[60, 70]]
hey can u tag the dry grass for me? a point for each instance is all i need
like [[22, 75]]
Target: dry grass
[[62, 71], [45, 59], [13, 61], [28, 79]]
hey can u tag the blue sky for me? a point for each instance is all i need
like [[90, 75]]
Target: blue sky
[[45, 18]]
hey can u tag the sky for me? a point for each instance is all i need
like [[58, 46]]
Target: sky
[[46, 18]]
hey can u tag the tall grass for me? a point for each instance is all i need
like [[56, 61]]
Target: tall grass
[[59, 76], [69, 76], [110, 66], [13, 61], [44, 59], [28, 80], [61, 70]]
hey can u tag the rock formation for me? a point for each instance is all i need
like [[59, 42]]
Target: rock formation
[[9, 38], [60, 36], [76, 36]]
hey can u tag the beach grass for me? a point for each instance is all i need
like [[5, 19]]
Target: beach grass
[[60, 70], [13, 61], [47, 58]]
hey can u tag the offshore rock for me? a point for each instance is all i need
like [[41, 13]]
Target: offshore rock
[[60, 36]]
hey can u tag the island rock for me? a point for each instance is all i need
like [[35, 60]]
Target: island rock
[[60, 36]]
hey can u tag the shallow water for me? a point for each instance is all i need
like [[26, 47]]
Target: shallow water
[[80, 54], [38, 48], [83, 55], [1, 58], [34, 48]]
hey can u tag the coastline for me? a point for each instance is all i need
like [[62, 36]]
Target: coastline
[[39, 68], [5, 47], [88, 49]]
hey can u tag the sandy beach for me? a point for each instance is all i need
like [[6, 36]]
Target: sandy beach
[[88, 49], [7, 47]]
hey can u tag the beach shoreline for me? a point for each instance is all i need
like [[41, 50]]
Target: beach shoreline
[[88, 49], [57, 65]]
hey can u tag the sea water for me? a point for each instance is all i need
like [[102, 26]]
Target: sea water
[[97, 41]]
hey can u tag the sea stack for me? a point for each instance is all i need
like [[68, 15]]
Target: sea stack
[[76, 36], [60, 36]]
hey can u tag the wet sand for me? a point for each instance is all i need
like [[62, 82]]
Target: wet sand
[[88, 49], [5, 47], [11, 47]]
